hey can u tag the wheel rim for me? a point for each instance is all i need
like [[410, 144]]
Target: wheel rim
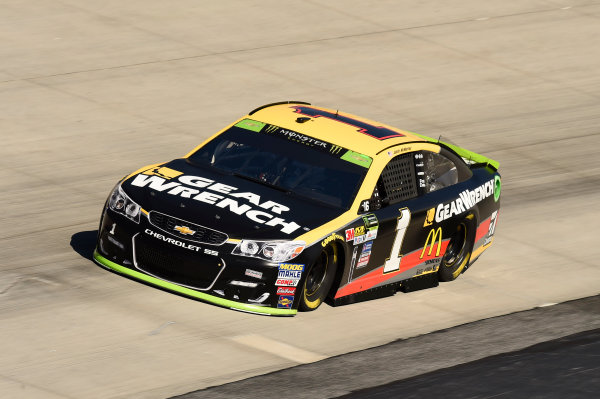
[[317, 274], [456, 246]]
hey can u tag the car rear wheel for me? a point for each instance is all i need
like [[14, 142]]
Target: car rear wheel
[[458, 252], [319, 279]]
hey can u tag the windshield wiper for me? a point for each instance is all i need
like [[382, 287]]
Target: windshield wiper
[[264, 183]]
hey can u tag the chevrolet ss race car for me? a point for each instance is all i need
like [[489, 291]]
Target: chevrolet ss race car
[[293, 205]]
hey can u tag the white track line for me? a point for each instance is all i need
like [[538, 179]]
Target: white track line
[[278, 348]]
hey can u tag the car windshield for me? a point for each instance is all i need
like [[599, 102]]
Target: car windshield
[[287, 161]]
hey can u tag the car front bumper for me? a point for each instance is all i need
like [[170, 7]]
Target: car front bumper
[[102, 261], [206, 272]]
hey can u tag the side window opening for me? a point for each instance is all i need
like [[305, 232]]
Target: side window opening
[[418, 173], [397, 181], [435, 171]]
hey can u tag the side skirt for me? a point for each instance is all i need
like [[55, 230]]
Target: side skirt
[[424, 281]]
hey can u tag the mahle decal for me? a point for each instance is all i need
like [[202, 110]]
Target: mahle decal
[[289, 274]]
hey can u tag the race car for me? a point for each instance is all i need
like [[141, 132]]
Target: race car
[[294, 205]]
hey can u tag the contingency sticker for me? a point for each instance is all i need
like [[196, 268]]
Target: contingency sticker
[[289, 274], [286, 290], [253, 273], [285, 301], [357, 158], [367, 232], [365, 255], [250, 124]]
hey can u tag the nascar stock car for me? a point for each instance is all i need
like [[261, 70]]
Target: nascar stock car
[[293, 205]]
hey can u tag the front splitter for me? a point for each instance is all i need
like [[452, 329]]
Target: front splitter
[[102, 261]]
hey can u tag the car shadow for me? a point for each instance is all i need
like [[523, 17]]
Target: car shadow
[[84, 243]]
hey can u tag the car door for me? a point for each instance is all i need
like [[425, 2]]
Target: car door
[[408, 241]]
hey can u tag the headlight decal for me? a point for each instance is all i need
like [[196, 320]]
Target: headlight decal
[[122, 204], [275, 251]]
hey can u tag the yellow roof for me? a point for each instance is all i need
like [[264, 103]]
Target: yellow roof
[[352, 132]]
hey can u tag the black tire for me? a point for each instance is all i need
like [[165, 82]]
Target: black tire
[[319, 279], [458, 252]]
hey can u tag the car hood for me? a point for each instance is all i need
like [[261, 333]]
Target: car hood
[[233, 205]]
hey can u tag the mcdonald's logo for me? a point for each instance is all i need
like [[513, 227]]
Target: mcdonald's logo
[[434, 234]]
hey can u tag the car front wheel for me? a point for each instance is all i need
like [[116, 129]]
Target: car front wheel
[[319, 279]]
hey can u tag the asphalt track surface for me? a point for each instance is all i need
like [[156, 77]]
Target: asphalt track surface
[[557, 362], [90, 91], [562, 368]]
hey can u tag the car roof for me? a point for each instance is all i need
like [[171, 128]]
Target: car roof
[[352, 132]]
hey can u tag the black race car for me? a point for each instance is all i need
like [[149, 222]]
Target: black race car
[[293, 205]]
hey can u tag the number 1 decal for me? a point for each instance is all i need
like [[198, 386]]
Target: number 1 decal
[[393, 263]]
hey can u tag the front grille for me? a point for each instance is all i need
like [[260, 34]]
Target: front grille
[[193, 269], [200, 234]]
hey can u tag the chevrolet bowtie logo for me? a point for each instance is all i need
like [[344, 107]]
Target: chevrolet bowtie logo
[[184, 230]]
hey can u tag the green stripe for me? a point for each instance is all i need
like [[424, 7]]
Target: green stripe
[[357, 158], [192, 293], [249, 124], [473, 156]]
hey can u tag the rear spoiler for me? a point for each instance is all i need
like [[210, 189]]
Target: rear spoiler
[[469, 156]]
